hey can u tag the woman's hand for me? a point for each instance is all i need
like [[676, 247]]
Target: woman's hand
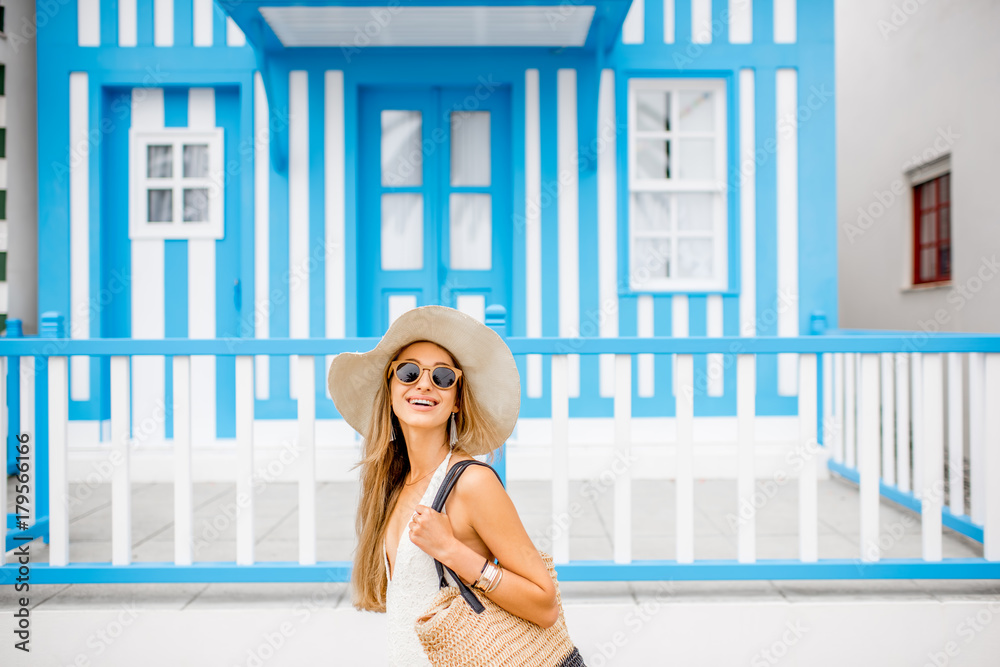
[[431, 531]]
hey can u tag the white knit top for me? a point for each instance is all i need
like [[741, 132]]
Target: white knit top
[[412, 586]]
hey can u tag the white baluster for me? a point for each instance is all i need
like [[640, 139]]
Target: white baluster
[[839, 399], [809, 451], [850, 410], [623, 453], [828, 424], [868, 456], [916, 399], [307, 460], [27, 390], [58, 483], [903, 421], [931, 455], [244, 460], [977, 437], [183, 482], [121, 481], [888, 420], [560, 460], [684, 368], [956, 435], [991, 458], [746, 386]]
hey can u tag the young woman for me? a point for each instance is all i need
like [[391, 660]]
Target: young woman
[[439, 387]]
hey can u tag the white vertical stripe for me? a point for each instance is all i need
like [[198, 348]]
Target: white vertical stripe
[[183, 486], [635, 23], [916, 408], [956, 435], [784, 21], [298, 214], [88, 23], [334, 161], [163, 22], [684, 371], [668, 21], [932, 455], [560, 461], [203, 17], [888, 419], [786, 160], [306, 413], [701, 21], [746, 386], [868, 457], [58, 484], [244, 461], [810, 457], [473, 305], [261, 234], [607, 201], [977, 437], [748, 206], [568, 188], [645, 329], [148, 389], [714, 365], [850, 413], [991, 457], [121, 496], [399, 304], [201, 292], [623, 454], [828, 425], [740, 21], [838, 407], [903, 421], [679, 326], [234, 36], [127, 23], [532, 225], [79, 229]]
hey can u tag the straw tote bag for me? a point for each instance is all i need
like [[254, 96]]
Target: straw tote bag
[[460, 630]]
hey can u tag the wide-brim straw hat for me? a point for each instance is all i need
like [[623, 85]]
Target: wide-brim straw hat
[[487, 364]]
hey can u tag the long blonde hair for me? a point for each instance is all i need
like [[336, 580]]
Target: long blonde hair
[[384, 466]]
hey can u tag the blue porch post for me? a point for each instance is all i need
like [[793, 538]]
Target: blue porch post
[[496, 319]]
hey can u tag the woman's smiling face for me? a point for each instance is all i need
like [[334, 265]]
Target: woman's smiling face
[[423, 405]]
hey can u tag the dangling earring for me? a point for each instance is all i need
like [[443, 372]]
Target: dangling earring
[[454, 432]]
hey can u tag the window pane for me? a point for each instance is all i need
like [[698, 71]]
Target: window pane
[[471, 232], [195, 205], [944, 260], [694, 258], [402, 231], [928, 267], [927, 228], [159, 162], [696, 159], [650, 212], [694, 212], [927, 198], [697, 112], [652, 159], [470, 148], [944, 188], [160, 205], [652, 110], [650, 259], [402, 156], [196, 161], [945, 213]]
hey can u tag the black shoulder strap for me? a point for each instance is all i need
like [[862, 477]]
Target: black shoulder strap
[[439, 500]]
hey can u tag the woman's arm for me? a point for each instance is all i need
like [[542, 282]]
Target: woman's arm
[[526, 588]]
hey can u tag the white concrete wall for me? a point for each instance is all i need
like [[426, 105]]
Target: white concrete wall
[[17, 52], [917, 78]]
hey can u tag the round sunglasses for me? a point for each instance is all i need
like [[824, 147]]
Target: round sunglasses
[[443, 376]]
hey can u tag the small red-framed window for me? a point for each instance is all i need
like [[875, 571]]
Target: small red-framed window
[[932, 230]]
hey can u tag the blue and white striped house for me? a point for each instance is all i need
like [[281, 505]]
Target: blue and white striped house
[[309, 169]]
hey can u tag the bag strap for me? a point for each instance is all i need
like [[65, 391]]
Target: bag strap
[[438, 505]]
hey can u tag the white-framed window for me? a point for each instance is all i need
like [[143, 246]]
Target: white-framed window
[[176, 183], [677, 176]]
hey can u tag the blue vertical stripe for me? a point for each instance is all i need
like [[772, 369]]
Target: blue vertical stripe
[[183, 22], [350, 203], [109, 22], [663, 325], [144, 23], [218, 26], [763, 21], [682, 21], [317, 220]]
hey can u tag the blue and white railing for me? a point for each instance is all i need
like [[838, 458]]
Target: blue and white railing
[[859, 395]]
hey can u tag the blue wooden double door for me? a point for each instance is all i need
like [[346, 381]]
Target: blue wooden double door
[[434, 202]]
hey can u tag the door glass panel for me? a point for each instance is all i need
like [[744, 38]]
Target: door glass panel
[[402, 155], [402, 231], [653, 110], [652, 159], [195, 205], [195, 160], [651, 211], [694, 212], [696, 159], [399, 304], [471, 231], [651, 258], [473, 305], [160, 206], [694, 258], [470, 148], [159, 161], [696, 112]]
